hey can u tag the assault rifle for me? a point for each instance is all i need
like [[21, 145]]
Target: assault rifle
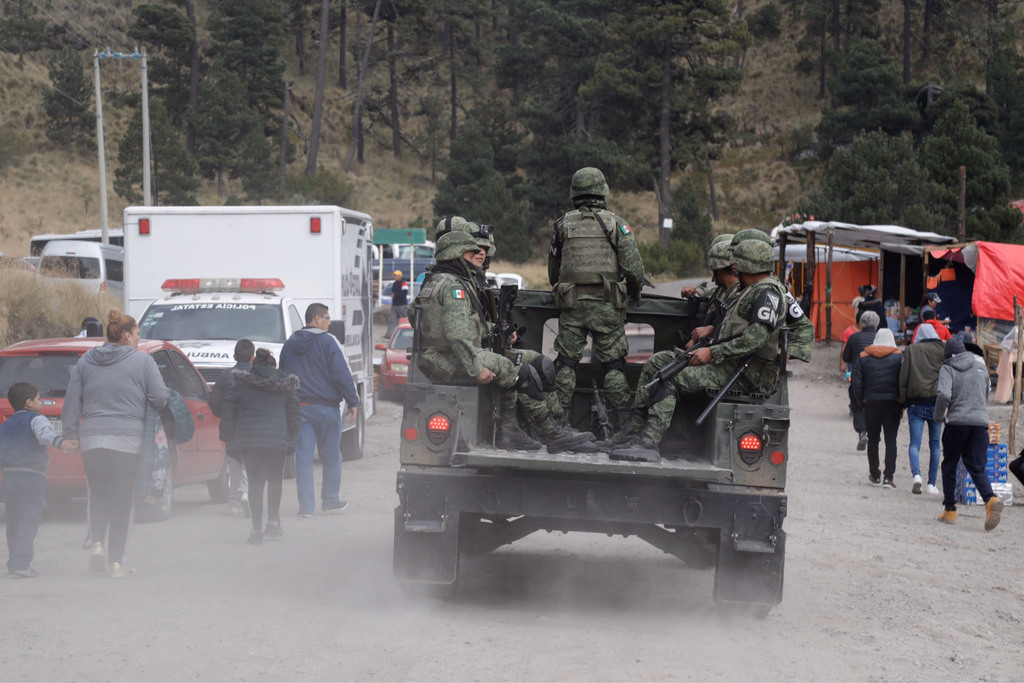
[[500, 337], [600, 411], [658, 386]]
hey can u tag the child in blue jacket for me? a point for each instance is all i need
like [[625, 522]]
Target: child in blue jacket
[[24, 438]]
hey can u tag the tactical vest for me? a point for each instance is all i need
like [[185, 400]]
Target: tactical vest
[[736, 321], [587, 251], [430, 311]]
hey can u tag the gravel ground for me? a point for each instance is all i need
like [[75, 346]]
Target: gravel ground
[[876, 589]]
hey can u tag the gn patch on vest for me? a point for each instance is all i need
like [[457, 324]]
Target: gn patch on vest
[[458, 293], [766, 309], [624, 229]]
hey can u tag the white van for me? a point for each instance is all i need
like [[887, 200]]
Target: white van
[[97, 266]]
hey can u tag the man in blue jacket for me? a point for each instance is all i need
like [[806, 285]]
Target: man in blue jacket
[[318, 360]]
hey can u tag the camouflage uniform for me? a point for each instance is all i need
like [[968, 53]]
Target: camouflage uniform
[[452, 324], [750, 328], [593, 266]]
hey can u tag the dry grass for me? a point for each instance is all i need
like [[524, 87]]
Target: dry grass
[[33, 307]]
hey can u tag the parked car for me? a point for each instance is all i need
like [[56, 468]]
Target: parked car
[[47, 364], [394, 366], [99, 267]]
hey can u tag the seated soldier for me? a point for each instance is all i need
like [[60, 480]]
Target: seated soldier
[[750, 330], [449, 315]]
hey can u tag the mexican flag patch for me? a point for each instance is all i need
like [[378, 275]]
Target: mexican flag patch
[[624, 229], [458, 294]]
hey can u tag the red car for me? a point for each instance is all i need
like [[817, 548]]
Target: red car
[[394, 366], [47, 364]]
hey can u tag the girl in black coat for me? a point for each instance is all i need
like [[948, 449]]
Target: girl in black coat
[[260, 419]]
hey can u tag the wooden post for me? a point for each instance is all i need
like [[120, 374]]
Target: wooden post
[[828, 288], [902, 326], [809, 268], [1018, 320], [781, 265]]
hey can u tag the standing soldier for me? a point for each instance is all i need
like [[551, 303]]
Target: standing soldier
[[593, 266], [452, 326]]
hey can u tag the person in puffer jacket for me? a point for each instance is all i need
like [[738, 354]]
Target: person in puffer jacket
[[962, 403], [876, 386], [260, 418]]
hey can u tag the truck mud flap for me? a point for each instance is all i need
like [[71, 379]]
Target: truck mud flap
[[751, 577], [426, 537]]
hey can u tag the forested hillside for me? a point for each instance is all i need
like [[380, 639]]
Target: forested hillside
[[718, 115]]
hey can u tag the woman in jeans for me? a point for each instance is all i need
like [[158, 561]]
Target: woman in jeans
[[919, 379], [260, 418], [109, 389], [876, 385]]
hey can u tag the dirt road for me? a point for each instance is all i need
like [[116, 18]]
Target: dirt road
[[875, 589]]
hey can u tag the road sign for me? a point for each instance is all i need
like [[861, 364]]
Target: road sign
[[399, 236]]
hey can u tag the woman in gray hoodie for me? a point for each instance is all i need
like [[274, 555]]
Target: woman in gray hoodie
[[962, 403], [109, 389]]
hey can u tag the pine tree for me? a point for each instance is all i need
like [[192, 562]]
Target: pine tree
[[169, 37], [70, 122], [174, 174], [20, 31]]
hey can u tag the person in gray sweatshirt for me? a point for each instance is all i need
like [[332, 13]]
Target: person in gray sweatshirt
[[962, 403], [919, 377], [109, 389]]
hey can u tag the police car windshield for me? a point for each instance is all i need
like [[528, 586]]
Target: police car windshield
[[217, 320]]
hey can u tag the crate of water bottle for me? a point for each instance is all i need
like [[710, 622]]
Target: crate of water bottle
[[997, 452], [1004, 491]]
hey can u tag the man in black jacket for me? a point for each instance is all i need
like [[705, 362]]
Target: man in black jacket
[[857, 342], [238, 482], [876, 385]]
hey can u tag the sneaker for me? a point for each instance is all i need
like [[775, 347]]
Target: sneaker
[[28, 573], [273, 530], [993, 511], [255, 538], [932, 490], [305, 515], [916, 488], [887, 483], [333, 507], [97, 559], [948, 516], [120, 571], [875, 479], [862, 442]]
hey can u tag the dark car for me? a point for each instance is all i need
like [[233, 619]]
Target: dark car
[[47, 364]]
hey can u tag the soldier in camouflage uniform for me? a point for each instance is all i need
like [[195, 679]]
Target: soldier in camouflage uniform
[[706, 324], [801, 329], [593, 266], [750, 330], [449, 316]]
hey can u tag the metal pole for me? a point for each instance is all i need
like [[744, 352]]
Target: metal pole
[[104, 223], [147, 199], [828, 287]]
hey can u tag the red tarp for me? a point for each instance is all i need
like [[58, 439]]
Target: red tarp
[[998, 276]]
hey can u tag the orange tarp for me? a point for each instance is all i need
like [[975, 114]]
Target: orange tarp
[[847, 276]]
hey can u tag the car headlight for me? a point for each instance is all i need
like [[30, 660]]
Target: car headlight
[[400, 369]]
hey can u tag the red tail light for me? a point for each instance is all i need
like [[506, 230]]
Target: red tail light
[[778, 457], [411, 434], [143, 226], [750, 448], [438, 427]]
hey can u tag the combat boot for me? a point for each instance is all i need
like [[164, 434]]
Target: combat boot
[[511, 436], [558, 438], [643, 449]]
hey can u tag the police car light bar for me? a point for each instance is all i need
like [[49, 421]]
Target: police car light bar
[[253, 285]]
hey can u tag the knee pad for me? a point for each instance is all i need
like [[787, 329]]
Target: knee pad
[[565, 362], [546, 368], [529, 382], [617, 364]]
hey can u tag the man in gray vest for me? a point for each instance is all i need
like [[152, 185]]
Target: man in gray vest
[[594, 266]]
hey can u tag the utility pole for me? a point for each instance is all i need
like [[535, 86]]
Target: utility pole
[[146, 182]]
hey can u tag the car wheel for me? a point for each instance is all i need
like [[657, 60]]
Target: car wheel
[[352, 440], [218, 487]]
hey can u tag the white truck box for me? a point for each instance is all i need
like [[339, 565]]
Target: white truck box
[[320, 253]]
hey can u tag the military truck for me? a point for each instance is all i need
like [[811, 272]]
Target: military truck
[[716, 499]]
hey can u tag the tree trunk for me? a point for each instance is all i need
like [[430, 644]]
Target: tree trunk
[[193, 88], [454, 83], [297, 30], [396, 124], [926, 30], [665, 142], [906, 41], [711, 189], [318, 101], [283, 160], [837, 25], [357, 124], [821, 60], [343, 30]]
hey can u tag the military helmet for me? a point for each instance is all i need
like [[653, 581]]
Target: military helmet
[[753, 256], [719, 256], [750, 234], [722, 238], [481, 232], [588, 182], [453, 245]]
